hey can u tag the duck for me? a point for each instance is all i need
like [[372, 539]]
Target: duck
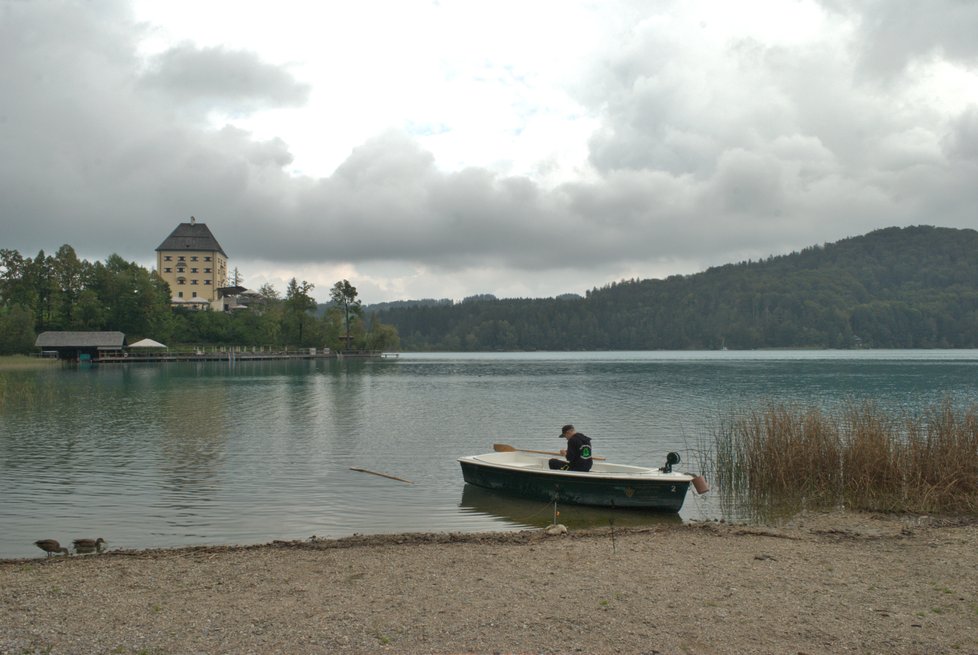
[[51, 547], [83, 546]]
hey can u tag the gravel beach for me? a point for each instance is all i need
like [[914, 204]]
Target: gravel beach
[[821, 583]]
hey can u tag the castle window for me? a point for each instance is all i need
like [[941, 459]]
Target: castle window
[[206, 282], [193, 258], [207, 259], [181, 280], [179, 294], [193, 270], [181, 258], [207, 270], [167, 258], [195, 294], [180, 270], [193, 282], [168, 270]]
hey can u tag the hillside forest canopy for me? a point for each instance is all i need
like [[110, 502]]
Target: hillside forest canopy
[[914, 287], [63, 292]]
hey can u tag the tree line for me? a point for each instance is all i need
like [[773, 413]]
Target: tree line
[[914, 287], [64, 292]]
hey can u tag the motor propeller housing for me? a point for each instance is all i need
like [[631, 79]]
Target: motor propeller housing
[[671, 460]]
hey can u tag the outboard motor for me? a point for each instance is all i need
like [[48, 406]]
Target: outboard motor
[[671, 460]]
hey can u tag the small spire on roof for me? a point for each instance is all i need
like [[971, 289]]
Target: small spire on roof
[[193, 220]]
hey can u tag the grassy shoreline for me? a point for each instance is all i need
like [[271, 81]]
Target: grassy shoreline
[[19, 362]]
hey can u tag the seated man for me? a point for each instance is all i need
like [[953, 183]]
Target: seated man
[[578, 451]]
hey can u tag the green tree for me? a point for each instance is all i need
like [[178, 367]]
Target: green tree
[[69, 275], [16, 330], [344, 297], [267, 292], [39, 275], [89, 314], [14, 289], [134, 300], [382, 337], [298, 305]]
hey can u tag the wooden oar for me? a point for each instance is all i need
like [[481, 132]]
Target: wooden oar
[[506, 448], [383, 475]]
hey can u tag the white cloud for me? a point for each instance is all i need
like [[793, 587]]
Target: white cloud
[[446, 149]]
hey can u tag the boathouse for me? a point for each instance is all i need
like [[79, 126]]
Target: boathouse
[[82, 345]]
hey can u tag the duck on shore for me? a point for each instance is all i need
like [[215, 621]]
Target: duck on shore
[[85, 546], [51, 546]]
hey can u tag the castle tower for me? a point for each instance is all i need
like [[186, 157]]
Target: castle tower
[[193, 263]]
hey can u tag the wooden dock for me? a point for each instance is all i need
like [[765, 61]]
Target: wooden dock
[[219, 356], [231, 355]]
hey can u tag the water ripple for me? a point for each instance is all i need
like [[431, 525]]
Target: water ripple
[[171, 455]]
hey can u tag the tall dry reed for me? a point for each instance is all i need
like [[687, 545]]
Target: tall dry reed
[[943, 454], [863, 458]]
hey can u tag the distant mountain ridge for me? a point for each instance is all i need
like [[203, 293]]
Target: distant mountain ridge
[[914, 287]]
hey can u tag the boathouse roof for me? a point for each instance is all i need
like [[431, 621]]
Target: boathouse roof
[[54, 340]]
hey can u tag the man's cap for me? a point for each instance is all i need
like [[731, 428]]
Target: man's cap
[[564, 429]]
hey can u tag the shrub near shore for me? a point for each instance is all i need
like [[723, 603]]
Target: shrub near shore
[[863, 458]]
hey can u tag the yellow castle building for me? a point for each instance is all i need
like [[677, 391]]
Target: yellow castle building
[[195, 266]]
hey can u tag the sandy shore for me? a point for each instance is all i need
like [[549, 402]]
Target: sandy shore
[[825, 583]]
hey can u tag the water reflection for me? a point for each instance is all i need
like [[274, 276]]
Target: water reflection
[[177, 454], [342, 396], [533, 513], [765, 509], [195, 430]]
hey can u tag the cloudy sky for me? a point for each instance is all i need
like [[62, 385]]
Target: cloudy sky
[[452, 147]]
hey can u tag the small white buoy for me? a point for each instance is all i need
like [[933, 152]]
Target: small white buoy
[[556, 528]]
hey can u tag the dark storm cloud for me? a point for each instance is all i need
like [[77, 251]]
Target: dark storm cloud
[[89, 157], [388, 201], [769, 150], [235, 81]]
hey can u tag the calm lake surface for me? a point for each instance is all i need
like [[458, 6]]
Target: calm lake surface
[[151, 455]]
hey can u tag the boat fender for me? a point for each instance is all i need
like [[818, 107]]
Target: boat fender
[[556, 528], [701, 485]]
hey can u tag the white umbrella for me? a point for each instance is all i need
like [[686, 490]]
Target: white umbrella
[[147, 343]]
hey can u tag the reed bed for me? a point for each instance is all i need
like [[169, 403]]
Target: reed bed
[[19, 362], [19, 387], [23, 392], [862, 458]]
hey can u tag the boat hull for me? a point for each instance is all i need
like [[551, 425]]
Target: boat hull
[[649, 491]]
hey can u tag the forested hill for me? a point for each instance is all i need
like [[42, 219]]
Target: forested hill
[[913, 287]]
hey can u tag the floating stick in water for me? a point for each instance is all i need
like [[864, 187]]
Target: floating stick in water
[[383, 475]]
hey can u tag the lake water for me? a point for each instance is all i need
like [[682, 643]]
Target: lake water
[[150, 455]]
